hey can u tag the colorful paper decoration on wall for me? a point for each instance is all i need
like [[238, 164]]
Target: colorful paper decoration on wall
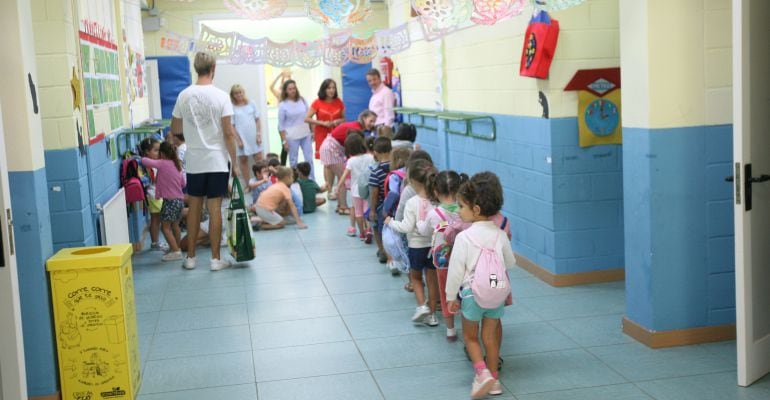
[[218, 43], [257, 9], [308, 54], [101, 80], [556, 5], [438, 18], [248, 51], [539, 45], [363, 51], [177, 43], [393, 41], [338, 14], [76, 86], [490, 12], [280, 54], [599, 112], [336, 50]]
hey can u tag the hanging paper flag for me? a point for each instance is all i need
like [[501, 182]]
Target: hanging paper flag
[[393, 41], [308, 54], [219, 44], [556, 5], [441, 17], [489, 12], [257, 9], [248, 51], [363, 51], [337, 49], [280, 54], [338, 14], [176, 42], [539, 45]]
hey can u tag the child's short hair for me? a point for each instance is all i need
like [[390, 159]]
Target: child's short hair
[[354, 145], [273, 162], [283, 172], [483, 190], [272, 156], [295, 173], [258, 167], [406, 132], [399, 157], [419, 155], [304, 168], [421, 171], [382, 145]]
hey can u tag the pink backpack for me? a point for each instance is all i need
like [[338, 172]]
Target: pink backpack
[[489, 283]]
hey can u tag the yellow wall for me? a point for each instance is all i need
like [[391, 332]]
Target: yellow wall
[[482, 62]]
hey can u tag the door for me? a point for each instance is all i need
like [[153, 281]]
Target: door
[[355, 91], [751, 141], [13, 384]]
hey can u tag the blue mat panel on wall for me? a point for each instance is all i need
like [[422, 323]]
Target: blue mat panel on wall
[[355, 90], [174, 76]]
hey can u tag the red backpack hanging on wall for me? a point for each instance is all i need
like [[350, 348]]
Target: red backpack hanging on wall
[[539, 45]]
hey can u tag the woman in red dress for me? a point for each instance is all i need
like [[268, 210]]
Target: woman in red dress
[[329, 111]]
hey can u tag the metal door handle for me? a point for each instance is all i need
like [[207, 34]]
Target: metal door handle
[[762, 178]]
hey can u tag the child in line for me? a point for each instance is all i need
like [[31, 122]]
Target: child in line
[[258, 184], [405, 137], [395, 182], [407, 193], [381, 149], [170, 181], [272, 167], [278, 198], [420, 173], [359, 160], [309, 188], [479, 199], [443, 223], [150, 148]]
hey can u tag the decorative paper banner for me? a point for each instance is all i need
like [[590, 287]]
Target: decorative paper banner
[[176, 42], [337, 49], [249, 51], [489, 12], [363, 51], [556, 5], [338, 14], [280, 54], [219, 44], [393, 41], [441, 17], [257, 9], [308, 54]]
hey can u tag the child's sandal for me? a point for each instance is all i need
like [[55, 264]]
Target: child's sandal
[[408, 287]]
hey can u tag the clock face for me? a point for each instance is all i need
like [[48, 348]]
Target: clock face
[[602, 117]]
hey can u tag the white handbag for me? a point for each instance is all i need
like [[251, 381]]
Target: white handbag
[[298, 131]]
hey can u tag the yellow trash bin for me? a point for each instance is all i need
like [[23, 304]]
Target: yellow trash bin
[[95, 317]]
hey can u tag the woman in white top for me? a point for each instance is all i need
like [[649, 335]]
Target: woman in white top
[[246, 124], [295, 132]]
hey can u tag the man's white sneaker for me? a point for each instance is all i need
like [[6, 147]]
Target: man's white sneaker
[[420, 313], [189, 263], [497, 388], [172, 256], [482, 383], [217, 265]]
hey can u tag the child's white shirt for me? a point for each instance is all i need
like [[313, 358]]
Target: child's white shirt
[[408, 225], [465, 254]]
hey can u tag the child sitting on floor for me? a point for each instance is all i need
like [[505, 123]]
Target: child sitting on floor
[[276, 202], [309, 189]]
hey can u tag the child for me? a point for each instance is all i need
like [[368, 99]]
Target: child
[[420, 173], [278, 198], [355, 168], [177, 140], [395, 182], [381, 148], [405, 137], [170, 181], [260, 181], [479, 200], [149, 148], [443, 223], [309, 189], [408, 192], [272, 166]]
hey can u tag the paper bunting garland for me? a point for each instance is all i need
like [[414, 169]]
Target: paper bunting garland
[[249, 51], [338, 14], [280, 54], [337, 49], [393, 41], [441, 17], [177, 43], [308, 54], [556, 5], [257, 9], [219, 44], [489, 12], [362, 51]]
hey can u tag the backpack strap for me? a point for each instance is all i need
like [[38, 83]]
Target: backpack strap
[[505, 222], [440, 214]]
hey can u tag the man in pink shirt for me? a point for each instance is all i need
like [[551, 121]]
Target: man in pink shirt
[[382, 101]]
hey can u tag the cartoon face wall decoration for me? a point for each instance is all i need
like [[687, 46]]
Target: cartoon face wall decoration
[[602, 117]]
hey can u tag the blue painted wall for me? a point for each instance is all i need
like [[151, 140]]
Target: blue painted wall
[[679, 227], [565, 202], [32, 232]]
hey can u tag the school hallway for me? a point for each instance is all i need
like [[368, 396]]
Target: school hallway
[[315, 316]]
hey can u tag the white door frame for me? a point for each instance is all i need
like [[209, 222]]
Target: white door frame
[[13, 379]]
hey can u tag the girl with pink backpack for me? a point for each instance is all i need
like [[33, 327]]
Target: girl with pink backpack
[[480, 256]]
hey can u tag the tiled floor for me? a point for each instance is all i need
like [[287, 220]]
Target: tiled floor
[[317, 317]]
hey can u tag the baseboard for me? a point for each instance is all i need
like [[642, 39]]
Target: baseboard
[[578, 278], [55, 396], [679, 337]]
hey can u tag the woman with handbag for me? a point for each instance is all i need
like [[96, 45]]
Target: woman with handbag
[[295, 132]]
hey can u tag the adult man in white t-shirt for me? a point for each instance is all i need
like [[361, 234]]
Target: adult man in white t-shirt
[[203, 112]]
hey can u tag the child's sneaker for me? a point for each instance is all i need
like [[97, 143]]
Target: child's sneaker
[[172, 256], [393, 268], [420, 313], [368, 236], [189, 263], [159, 247], [217, 265], [482, 384], [451, 335], [351, 231], [430, 320], [497, 388]]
